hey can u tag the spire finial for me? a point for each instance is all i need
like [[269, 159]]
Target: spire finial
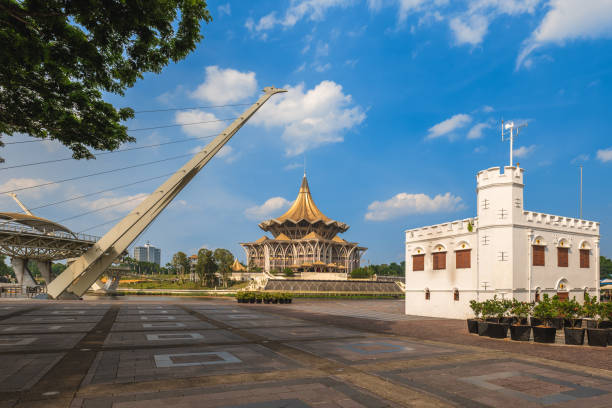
[[304, 165]]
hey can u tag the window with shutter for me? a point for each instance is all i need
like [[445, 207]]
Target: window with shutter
[[463, 258], [418, 262], [584, 258], [439, 261], [562, 257], [538, 255]]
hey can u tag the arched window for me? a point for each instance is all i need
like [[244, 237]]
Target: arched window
[[538, 250], [563, 253], [463, 256], [585, 254], [439, 257], [418, 260], [456, 294]]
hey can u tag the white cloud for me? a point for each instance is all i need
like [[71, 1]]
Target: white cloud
[[110, 206], [25, 182], [272, 207], [404, 204], [321, 67], [293, 166], [580, 158], [228, 153], [224, 86], [487, 109], [448, 126], [569, 20], [311, 118], [225, 9], [605, 155], [313, 10], [470, 30], [199, 123], [524, 151], [476, 131]]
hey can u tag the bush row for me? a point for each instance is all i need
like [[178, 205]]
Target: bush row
[[546, 310], [263, 297]]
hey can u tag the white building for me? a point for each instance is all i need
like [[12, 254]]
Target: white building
[[505, 251], [148, 253]]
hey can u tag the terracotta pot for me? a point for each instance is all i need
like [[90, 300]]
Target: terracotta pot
[[574, 336], [520, 332], [543, 334], [598, 337]]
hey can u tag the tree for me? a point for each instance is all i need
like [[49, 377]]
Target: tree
[[57, 268], [605, 267], [206, 267], [224, 259], [181, 264], [6, 270], [58, 56]]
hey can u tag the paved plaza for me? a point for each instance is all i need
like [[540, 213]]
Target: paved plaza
[[181, 352]]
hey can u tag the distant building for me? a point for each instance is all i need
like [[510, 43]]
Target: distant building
[[504, 251], [305, 241], [148, 253]]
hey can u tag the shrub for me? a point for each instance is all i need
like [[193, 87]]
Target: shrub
[[476, 308], [520, 310], [544, 310], [571, 310]]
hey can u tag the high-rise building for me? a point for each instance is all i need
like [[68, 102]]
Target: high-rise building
[[148, 253]]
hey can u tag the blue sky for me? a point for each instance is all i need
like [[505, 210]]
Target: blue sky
[[395, 105]]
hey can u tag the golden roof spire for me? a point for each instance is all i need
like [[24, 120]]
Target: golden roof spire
[[303, 207]]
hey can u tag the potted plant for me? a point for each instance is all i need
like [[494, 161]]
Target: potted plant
[[589, 310], [240, 297], [281, 298], [259, 297], [558, 319], [597, 336], [251, 297], [572, 310], [473, 323], [288, 298], [274, 298], [545, 312], [520, 330], [608, 312], [487, 314], [498, 330]]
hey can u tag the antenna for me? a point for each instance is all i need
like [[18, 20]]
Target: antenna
[[580, 191], [514, 132]]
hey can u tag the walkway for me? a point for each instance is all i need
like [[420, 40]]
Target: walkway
[[217, 353]]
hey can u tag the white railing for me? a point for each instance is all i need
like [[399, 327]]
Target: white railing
[[14, 227]]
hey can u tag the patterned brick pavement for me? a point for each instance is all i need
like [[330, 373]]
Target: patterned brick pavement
[[217, 353]]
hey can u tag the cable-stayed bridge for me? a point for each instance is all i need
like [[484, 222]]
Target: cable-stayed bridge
[[26, 239]]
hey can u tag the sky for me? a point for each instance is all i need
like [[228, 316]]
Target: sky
[[393, 107]]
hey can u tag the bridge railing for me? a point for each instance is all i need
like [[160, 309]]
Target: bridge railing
[[15, 227]]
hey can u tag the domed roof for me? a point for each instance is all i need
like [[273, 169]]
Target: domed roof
[[303, 209]]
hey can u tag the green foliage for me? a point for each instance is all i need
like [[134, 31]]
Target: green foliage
[[361, 273], [224, 259], [470, 227], [590, 306], [5, 270], [545, 310], [288, 272], [206, 267], [605, 267], [476, 308], [520, 310], [59, 56], [571, 310]]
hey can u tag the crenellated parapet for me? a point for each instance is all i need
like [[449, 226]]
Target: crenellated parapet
[[448, 228], [560, 221], [493, 176]]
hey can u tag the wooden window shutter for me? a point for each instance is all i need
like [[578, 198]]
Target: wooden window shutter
[[439, 260], [585, 258], [538, 255], [418, 262], [463, 258], [562, 257]]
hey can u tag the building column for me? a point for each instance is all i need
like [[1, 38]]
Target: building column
[[597, 273], [22, 273], [45, 270]]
